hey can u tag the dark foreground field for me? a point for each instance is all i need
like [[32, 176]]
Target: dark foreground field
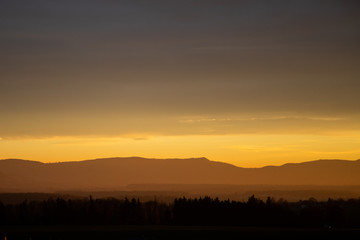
[[170, 232]]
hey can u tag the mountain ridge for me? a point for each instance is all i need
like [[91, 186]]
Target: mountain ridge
[[177, 159], [114, 173]]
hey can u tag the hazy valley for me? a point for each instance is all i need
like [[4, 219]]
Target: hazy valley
[[166, 179]]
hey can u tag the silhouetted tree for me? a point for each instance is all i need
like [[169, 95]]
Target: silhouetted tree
[[183, 211], [2, 213]]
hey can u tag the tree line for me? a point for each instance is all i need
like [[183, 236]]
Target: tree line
[[184, 211]]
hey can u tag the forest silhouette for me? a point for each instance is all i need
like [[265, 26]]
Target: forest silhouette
[[204, 211]]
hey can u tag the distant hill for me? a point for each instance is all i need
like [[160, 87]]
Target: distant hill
[[116, 173]]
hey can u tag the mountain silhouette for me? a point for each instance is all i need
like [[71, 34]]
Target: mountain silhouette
[[114, 173]]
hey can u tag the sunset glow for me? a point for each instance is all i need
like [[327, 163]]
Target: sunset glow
[[247, 150], [243, 83]]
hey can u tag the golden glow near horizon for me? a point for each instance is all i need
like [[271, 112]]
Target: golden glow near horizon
[[245, 141], [247, 150]]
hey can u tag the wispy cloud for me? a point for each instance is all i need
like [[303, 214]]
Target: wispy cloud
[[90, 139], [334, 152], [204, 120], [97, 139], [313, 118], [259, 148]]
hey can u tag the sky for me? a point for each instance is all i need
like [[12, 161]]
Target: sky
[[251, 83]]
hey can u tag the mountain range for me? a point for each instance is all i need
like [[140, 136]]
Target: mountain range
[[115, 173]]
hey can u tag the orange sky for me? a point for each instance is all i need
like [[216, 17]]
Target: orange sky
[[245, 150], [247, 83]]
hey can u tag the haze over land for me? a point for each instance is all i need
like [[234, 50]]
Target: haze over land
[[151, 174]]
